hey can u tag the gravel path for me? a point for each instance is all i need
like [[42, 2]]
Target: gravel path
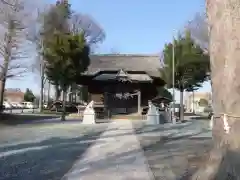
[[174, 152], [43, 152], [48, 152]]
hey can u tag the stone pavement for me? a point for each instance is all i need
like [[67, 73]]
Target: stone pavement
[[116, 155]]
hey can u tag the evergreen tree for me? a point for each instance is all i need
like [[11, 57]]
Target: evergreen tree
[[191, 65], [29, 96], [56, 19], [67, 56]]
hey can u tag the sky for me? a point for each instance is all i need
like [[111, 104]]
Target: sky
[[135, 26]]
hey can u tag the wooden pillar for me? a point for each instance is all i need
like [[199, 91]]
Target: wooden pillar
[[105, 101], [139, 102]]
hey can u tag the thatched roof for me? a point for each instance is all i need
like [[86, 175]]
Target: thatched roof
[[114, 62]]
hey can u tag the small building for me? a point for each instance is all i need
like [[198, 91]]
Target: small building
[[123, 83], [13, 95]]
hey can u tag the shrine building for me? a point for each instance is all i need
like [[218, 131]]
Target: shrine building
[[123, 83]]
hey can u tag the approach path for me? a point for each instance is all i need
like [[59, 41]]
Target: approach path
[[115, 155], [119, 150]]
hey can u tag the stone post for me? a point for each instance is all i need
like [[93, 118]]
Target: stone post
[[139, 102]]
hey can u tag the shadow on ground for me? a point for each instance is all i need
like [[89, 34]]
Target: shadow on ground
[[175, 156], [200, 118], [147, 129], [23, 119], [183, 155], [189, 114], [162, 157], [167, 156], [180, 155], [50, 159], [107, 164], [16, 119]]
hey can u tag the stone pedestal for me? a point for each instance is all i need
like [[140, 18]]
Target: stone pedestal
[[173, 117], [162, 117], [157, 119], [167, 117], [152, 115], [89, 115]]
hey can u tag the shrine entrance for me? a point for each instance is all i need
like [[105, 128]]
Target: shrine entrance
[[122, 100], [122, 97], [122, 92]]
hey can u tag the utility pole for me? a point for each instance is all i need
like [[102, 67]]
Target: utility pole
[[42, 84], [173, 81], [42, 67], [48, 92]]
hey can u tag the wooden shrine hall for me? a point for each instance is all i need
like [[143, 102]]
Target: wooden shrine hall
[[122, 83]]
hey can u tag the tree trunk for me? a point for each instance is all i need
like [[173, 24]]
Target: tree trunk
[[7, 58], [224, 26], [2, 89], [63, 118], [181, 110], [193, 101], [57, 93], [48, 93]]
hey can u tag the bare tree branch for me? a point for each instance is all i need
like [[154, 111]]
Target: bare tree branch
[[84, 23], [198, 28], [15, 17], [14, 48]]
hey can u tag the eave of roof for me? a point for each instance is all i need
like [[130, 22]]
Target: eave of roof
[[128, 62]]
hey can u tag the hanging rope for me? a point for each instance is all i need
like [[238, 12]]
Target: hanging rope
[[224, 116], [123, 95], [225, 123]]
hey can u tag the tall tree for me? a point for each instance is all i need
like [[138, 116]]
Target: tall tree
[[36, 37], [67, 56], [14, 21], [49, 19], [56, 18], [38, 64], [60, 17], [224, 26], [191, 65]]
